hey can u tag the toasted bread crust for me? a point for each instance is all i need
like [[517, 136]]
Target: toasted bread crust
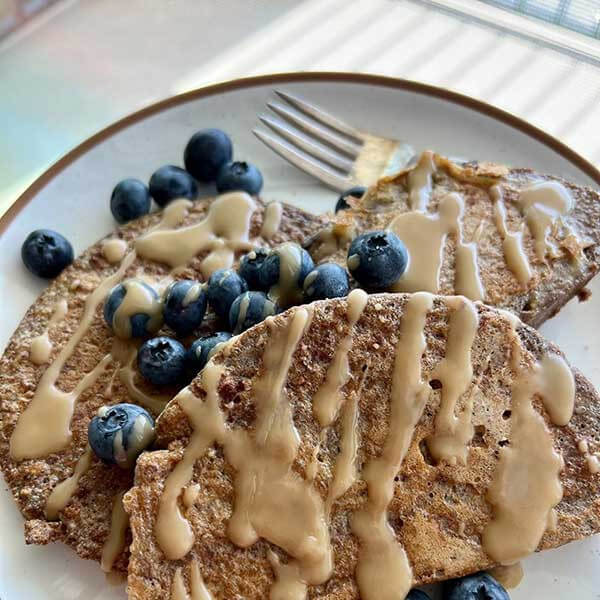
[[85, 522], [438, 512]]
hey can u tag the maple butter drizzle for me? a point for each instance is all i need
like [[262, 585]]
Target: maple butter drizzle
[[592, 459], [326, 406], [510, 576], [419, 182], [344, 468], [542, 204], [512, 242], [61, 495], [114, 250], [41, 346], [224, 230], [452, 433], [271, 501], [125, 353], [383, 571], [108, 390], [271, 220], [424, 236], [330, 239], [192, 294], [198, 588], [173, 531], [287, 291], [328, 398], [138, 299], [45, 425], [288, 583], [244, 306], [190, 495], [526, 485], [115, 542]]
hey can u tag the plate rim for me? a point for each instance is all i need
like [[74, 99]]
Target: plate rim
[[275, 79]]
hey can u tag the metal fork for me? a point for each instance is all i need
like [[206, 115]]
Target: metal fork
[[332, 151]]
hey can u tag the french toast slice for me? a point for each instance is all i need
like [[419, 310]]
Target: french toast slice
[[510, 237], [356, 447], [92, 522]]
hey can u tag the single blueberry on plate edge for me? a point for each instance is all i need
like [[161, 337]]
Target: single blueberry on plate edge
[[46, 253]]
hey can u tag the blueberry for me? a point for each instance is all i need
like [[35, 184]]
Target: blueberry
[[184, 306], [327, 280], [417, 595], [224, 286], [250, 266], [377, 259], [46, 253], [248, 309], [356, 192], [239, 176], [129, 200], [283, 273], [161, 361], [170, 182], [133, 309], [480, 586], [118, 434], [206, 152], [200, 352]]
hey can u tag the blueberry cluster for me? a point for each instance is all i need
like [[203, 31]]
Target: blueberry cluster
[[208, 159], [267, 280], [280, 277]]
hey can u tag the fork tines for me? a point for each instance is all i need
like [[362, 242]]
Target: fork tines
[[312, 140]]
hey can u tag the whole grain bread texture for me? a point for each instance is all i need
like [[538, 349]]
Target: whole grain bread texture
[[85, 523], [438, 511], [554, 281]]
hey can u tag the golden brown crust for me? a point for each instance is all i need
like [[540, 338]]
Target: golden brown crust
[[438, 511], [85, 522], [551, 286]]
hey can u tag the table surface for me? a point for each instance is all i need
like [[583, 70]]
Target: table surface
[[80, 64]]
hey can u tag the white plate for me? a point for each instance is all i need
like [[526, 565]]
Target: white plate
[[72, 197]]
